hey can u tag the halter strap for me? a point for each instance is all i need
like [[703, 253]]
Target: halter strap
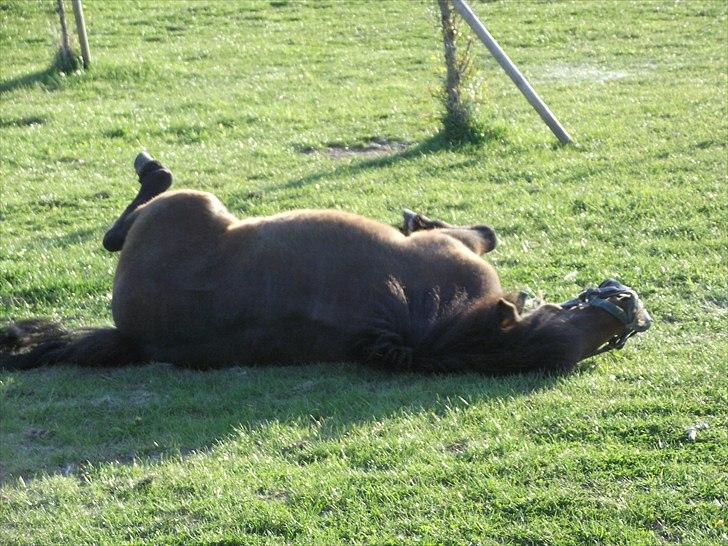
[[615, 310]]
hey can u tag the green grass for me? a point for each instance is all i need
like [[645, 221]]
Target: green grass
[[242, 99]]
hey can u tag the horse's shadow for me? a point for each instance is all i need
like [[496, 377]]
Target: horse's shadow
[[59, 421]]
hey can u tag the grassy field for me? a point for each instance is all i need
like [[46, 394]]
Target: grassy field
[[258, 102]]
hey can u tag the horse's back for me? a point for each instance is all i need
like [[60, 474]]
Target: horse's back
[[339, 261]]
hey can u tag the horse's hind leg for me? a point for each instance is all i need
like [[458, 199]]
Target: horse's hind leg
[[419, 222], [479, 238], [153, 179]]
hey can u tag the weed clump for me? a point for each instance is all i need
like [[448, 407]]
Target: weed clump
[[461, 93], [66, 61]]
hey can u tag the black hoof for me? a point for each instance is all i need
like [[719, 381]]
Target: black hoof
[[153, 177], [141, 160], [419, 222], [409, 216], [488, 234]]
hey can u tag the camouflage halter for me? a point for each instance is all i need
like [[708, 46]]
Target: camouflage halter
[[635, 317]]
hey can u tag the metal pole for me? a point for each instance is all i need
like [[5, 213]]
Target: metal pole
[[81, 27], [512, 71], [65, 43]]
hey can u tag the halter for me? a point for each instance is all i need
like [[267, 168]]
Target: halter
[[635, 317]]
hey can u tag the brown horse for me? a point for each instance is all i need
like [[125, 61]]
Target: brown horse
[[197, 287]]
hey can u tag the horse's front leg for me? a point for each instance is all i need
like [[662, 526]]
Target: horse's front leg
[[478, 238], [153, 179]]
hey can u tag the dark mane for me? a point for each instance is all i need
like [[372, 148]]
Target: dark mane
[[426, 332]]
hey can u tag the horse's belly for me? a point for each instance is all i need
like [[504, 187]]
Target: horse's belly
[[275, 343], [244, 318]]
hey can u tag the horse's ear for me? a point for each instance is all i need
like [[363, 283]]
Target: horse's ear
[[507, 315]]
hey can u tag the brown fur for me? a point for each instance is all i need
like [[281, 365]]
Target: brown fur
[[198, 287]]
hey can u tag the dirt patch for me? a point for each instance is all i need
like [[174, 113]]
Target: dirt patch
[[574, 73], [307, 385], [374, 148], [273, 494], [457, 447], [35, 433], [135, 398]]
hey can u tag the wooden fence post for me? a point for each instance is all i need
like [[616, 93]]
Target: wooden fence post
[[81, 27], [506, 64]]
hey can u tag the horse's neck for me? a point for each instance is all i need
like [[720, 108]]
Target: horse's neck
[[537, 341]]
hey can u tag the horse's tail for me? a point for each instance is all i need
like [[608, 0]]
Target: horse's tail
[[38, 342]]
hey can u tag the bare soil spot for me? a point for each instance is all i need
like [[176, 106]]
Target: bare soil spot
[[458, 446], [135, 398], [575, 73], [374, 148], [273, 494], [34, 433]]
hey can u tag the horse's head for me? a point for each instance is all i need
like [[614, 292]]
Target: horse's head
[[598, 320], [154, 179], [622, 303], [605, 317]]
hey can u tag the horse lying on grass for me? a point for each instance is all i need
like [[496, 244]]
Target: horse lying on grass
[[197, 287]]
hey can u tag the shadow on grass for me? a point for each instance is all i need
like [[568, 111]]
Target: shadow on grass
[[27, 121], [73, 238], [48, 78], [51, 78], [60, 420]]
